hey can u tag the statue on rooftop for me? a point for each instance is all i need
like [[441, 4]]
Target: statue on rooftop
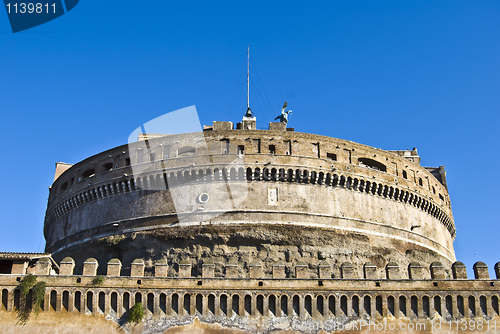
[[284, 114]]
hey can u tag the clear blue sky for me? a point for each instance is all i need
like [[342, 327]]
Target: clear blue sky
[[389, 74]]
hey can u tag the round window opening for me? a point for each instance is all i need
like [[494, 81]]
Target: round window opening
[[203, 198]]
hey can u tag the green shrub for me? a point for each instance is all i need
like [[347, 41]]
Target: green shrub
[[98, 280], [136, 313], [27, 283], [38, 295]]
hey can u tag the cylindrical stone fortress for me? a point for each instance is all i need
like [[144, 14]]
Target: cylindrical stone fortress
[[244, 195]]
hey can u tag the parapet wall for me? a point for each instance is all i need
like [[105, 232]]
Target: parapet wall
[[233, 302]]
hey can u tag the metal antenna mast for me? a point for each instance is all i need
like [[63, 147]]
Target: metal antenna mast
[[249, 112], [248, 78]]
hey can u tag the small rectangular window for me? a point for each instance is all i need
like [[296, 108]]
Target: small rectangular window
[[272, 149], [331, 156], [241, 149]]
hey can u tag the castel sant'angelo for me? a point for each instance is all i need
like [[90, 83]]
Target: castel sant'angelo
[[238, 230]]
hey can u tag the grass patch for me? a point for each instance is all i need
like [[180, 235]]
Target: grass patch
[[136, 313], [98, 280]]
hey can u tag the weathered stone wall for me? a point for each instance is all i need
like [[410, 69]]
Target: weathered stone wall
[[359, 212], [257, 304]]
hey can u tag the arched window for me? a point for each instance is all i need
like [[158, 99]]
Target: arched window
[[175, 303], [320, 304], [88, 173], [284, 305], [272, 305], [236, 304], [211, 303], [101, 304], [223, 304], [163, 303], [114, 302], [150, 302], [78, 301], [65, 301], [308, 305], [260, 305], [248, 305]]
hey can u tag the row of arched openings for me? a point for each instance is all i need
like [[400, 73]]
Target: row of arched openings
[[162, 181], [268, 305]]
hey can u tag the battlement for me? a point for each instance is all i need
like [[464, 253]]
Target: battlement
[[425, 293]]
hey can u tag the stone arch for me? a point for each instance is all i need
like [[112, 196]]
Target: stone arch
[[402, 306], [5, 298], [320, 304], [236, 304], [175, 303], [460, 305], [308, 305], [494, 304], [126, 301], [328, 179], [296, 305], [101, 302], [65, 301], [367, 305], [274, 174], [284, 305], [232, 175], [355, 305], [257, 174], [335, 180], [114, 302], [162, 303], [449, 305], [53, 300], [249, 174], [289, 175], [265, 174], [391, 305], [223, 304], [89, 302], [211, 303], [342, 181], [321, 178], [343, 305], [426, 306], [241, 174], [298, 176], [379, 305], [150, 302], [260, 305], [78, 301], [483, 306], [437, 305], [472, 306], [272, 305], [331, 305], [349, 183], [281, 174], [305, 176], [414, 306], [198, 304], [248, 305]]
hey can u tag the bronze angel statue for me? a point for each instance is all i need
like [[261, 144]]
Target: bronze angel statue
[[284, 114]]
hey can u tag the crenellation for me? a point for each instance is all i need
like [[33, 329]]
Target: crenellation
[[114, 267], [90, 267], [481, 270]]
